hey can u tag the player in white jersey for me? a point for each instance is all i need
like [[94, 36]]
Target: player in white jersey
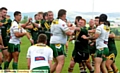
[[59, 30], [16, 32], [101, 36], [39, 56]]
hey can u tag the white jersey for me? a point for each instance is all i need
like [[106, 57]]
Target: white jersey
[[39, 55], [102, 40], [15, 28], [58, 29]]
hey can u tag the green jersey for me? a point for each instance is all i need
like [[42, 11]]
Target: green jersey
[[89, 28], [80, 43], [111, 45], [91, 48], [36, 31], [46, 27], [6, 25]]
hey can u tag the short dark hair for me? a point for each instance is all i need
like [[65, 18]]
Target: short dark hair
[[45, 14], [35, 15], [49, 12], [78, 18], [16, 13], [97, 17], [3, 8], [42, 38], [61, 12], [103, 18], [107, 23], [40, 12]]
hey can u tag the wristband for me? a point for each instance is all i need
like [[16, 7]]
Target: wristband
[[39, 25], [31, 39]]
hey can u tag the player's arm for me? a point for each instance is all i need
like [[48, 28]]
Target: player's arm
[[91, 31], [28, 58], [17, 33], [36, 25], [29, 37], [29, 26], [111, 35], [96, 35], [1, 24], [1, 41], [68, 30], [27, 23]]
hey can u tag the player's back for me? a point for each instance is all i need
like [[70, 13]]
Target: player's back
[[104, 35], [40, 55]]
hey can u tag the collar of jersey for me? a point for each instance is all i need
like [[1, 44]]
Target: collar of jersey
[[16, 21], [40, 44]]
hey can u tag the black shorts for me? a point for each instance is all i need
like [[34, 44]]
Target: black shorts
[[80, 56]]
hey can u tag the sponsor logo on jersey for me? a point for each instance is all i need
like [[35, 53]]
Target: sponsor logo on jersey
[[39, 58]]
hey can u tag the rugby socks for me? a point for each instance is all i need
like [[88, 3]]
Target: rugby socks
[[6, 64], [15, 65], [70, 70], [82, 69], [110, 71], [93, 63], [117, 71], [92, 71]]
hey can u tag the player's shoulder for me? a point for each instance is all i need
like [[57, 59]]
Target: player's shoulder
[[61, 21], [100, 26], [48, 47], [14, 23], [8, 19], [32, 47], [55, 21]]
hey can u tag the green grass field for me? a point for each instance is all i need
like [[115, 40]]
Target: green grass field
[[24, 47]]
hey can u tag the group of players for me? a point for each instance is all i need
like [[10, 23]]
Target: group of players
[[85, 46], [96, 41]]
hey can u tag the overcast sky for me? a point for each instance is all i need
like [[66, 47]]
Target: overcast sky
[[105, 6]]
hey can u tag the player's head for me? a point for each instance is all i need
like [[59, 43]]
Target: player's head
[[91, 23], [42, 38], [103, 18], [77, 19], [82, 22], [17, 15], [50, 15], [62, 14], [40, 14], [45, 16], [3, 11], [36, 17], [97, 20]]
